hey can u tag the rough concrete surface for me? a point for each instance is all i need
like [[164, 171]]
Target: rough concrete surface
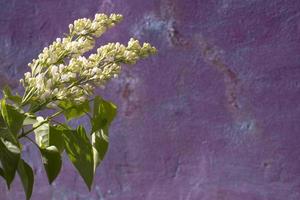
[[214, 116]]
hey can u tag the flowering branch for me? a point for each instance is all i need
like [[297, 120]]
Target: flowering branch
[[63, 79]]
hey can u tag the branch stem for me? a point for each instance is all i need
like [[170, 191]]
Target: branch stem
[[43, 122]]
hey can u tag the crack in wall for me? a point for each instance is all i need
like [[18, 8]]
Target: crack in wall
[[239, 109], [212, 56]]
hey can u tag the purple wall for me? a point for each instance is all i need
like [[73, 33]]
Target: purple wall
[[214, 116]]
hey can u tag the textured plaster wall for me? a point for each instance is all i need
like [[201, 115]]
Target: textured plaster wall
[[214, 116]]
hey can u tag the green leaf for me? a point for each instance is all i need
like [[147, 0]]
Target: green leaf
[[8, 95], [5, 133], [56, 137], [9, 157], [79, 151], [2, 173], [103, 114], [51, 143], [100, 146], [9, 152], [73, 110], [26, 175], [35, 105], [2, 122], [47, 135], [41, 132], [52, 162], [12, 117]]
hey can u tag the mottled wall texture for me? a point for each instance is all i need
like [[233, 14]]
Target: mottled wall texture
[[214, 116]]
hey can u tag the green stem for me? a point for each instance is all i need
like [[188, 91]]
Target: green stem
[[55, 115], [43, 122], [29, 131], [27, 96]]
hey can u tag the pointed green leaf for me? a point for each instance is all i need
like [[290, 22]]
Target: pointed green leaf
[[46, 135], [50, 141], [9, 157], [6, 134], [103, 114], [52, 162], [2, 122], [79, 151], [73, 110], [8, 95], [56, 137], [35, 105], [12, 117], [4, 131], [9, 152], [100, 146], [2, 173], [26, 175]]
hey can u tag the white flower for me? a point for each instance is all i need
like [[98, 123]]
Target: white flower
[[61, 70], [133, 44], [65, 78], [54, 70], [27, 75], [49, 84]]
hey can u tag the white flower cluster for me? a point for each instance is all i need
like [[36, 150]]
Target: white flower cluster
[[61, 72], [80, 40]]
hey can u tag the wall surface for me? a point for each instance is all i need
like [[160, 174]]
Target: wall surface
[[214, 116]]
